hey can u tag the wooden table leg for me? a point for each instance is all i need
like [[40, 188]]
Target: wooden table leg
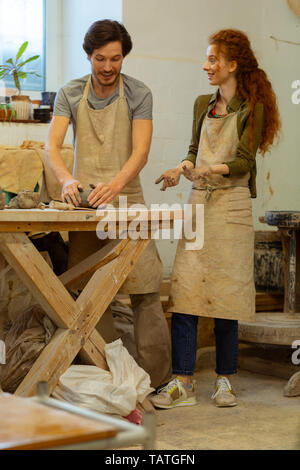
[[39, 278], [58, 355]]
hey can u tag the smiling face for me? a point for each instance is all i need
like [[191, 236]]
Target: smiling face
[[106, 64], [218, 69]]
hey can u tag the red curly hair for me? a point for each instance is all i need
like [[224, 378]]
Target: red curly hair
[[252, 82]]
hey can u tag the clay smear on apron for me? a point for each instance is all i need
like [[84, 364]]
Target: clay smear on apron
[[218, 280], [103, 144]]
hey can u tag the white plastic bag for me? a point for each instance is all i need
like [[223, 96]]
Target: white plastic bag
[[116, 391]]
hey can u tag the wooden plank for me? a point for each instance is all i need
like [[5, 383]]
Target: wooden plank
[[81, 216], [28, 425], [35, 220], [92, 303], [39, 278], [92, 263], [93, 351], [17, 227], [112, 275], [266, 301]]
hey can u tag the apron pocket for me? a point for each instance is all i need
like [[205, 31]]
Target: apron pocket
[[239, 209]]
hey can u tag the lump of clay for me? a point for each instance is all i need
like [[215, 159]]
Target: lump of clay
[[84, 194], [24, 200], [2, 200]]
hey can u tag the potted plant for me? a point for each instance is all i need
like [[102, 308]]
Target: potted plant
[[15, 68], [7, 112]]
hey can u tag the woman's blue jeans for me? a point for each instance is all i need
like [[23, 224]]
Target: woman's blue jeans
[[184, 344]]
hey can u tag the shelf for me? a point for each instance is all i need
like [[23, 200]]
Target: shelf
[[23, 121]]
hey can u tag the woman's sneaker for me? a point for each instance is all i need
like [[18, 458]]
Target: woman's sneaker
[[224, 394], [175, 393]]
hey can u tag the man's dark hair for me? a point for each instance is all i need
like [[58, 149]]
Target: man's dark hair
[[102, 32]]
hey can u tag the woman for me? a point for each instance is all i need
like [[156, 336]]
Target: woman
[[217, 281]]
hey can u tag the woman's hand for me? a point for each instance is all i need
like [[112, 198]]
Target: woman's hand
[[195, 174], [70, 192], [103, 194], [170, 178]]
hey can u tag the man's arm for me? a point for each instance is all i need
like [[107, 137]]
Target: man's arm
[[141, 142], [57, 132]]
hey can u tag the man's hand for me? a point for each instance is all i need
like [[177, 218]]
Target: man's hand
[[103, 194], [170, 178], [195, 174], [70, 192]]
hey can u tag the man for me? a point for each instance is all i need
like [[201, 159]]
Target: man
[[111, 115]]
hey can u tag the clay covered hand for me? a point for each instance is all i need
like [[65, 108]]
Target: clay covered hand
[[103, 194], [170, 178], [71, 192]]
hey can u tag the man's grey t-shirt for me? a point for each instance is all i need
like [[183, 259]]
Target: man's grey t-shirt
[[138, 95]]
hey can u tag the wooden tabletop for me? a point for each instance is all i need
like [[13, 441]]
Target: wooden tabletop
[[29, 220], [26, 425]]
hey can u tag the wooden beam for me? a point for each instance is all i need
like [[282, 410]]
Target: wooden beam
[[92, 303], [39, 278], [93, 351], [89, 265], [111, 277]]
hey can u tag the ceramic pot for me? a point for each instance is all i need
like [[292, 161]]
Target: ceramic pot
[[22, 105], [42, 115]]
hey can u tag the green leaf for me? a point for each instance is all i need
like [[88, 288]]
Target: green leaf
[[22, 74], [21, 50], [35, 57], [34, 73], [10, 61], [17, 82], [3, 73], [13, 114]]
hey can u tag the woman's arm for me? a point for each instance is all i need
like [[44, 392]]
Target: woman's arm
[[172, 177]]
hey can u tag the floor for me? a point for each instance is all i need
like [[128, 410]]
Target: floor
[[263, 420]]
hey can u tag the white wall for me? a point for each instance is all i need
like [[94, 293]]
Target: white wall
[[170, 41], [77, 16]]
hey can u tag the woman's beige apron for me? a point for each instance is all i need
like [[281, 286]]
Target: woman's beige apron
[[218, 280], [103, 144]]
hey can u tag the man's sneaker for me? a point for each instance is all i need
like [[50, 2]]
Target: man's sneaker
[[224, 394], [175, 393]]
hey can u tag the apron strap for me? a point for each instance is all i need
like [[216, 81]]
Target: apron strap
[[87, 89], [121, 86]]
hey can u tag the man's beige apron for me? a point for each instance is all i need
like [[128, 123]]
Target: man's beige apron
[[103, 144], [218, 280]]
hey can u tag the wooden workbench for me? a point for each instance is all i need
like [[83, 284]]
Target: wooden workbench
[[26, 425], [75, 320]]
